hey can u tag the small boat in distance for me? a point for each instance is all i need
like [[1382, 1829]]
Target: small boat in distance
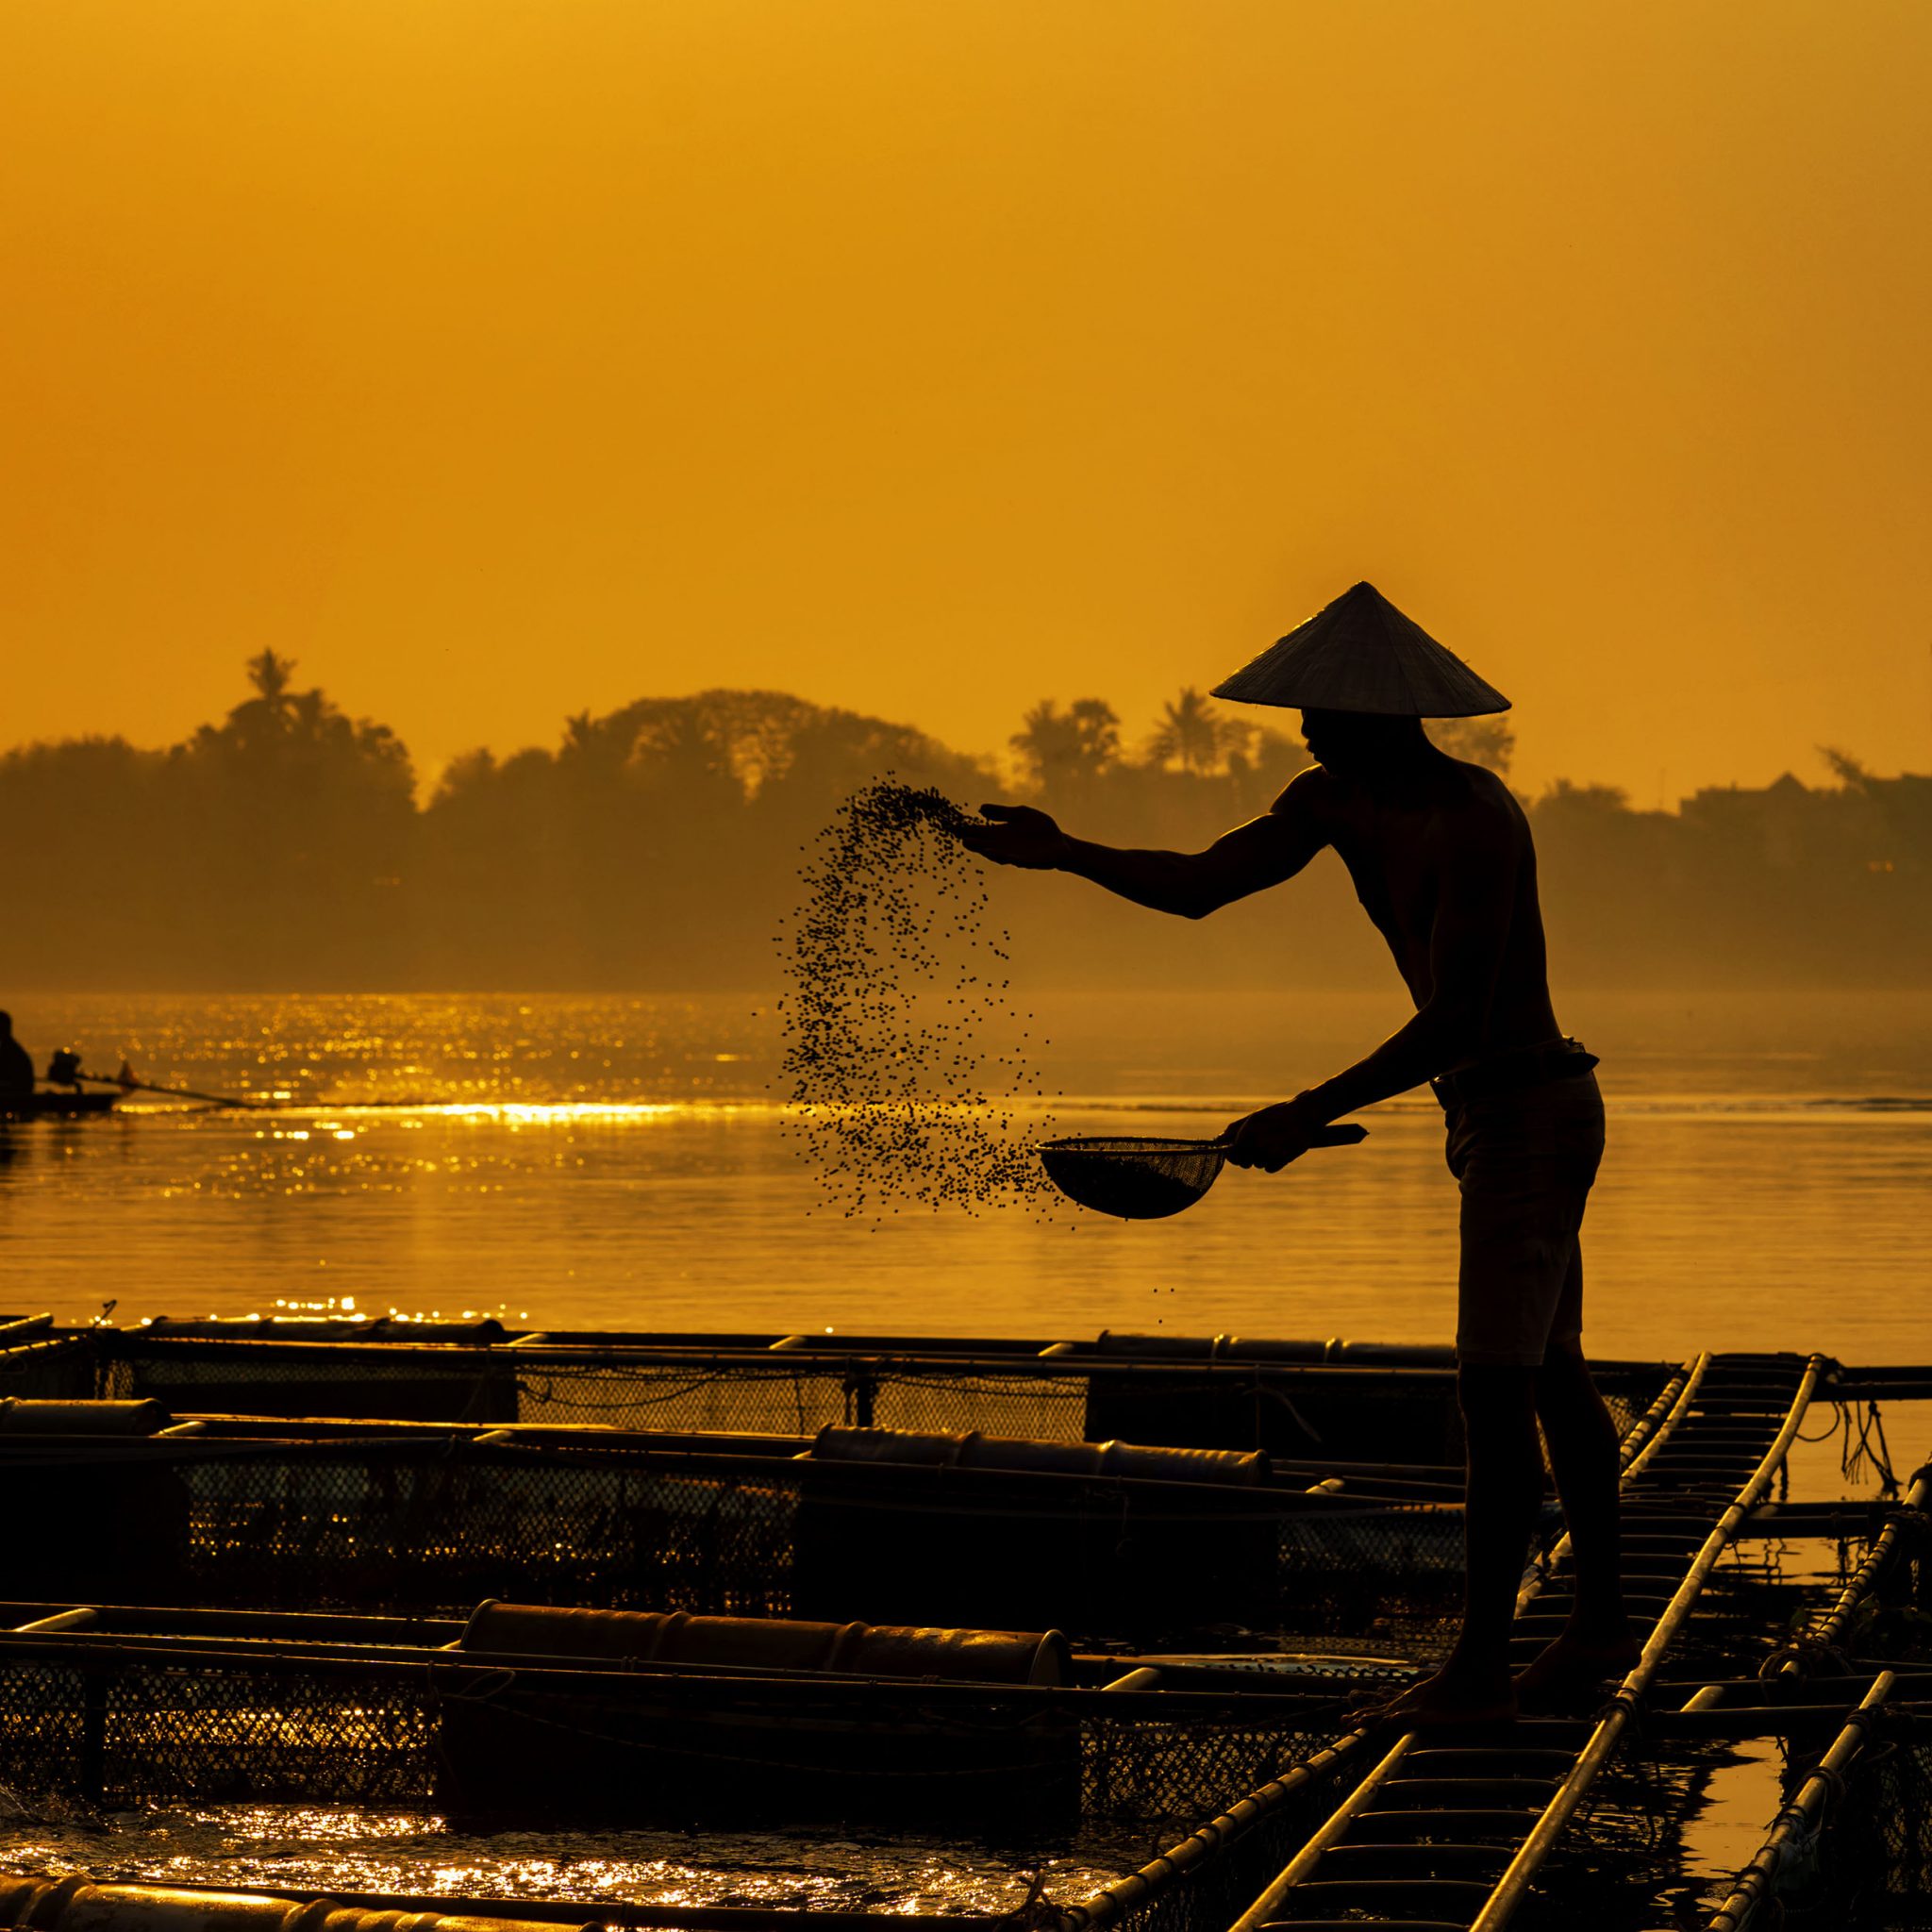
[[58, 1103], [60, 1091], [66, 1090]]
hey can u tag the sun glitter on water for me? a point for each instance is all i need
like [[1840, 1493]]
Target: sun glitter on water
[[906, 1061]]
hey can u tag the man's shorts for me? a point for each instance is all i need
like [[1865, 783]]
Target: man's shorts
[[1524, 1161]]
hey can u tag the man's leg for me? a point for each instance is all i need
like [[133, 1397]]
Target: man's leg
[[1524, 1171], [1597, 1641], [1504, 1493]]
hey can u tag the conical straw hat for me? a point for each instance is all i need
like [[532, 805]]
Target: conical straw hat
[[1361, 654]]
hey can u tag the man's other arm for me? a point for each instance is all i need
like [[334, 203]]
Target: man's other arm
[[1475, 900], [1189, 885]]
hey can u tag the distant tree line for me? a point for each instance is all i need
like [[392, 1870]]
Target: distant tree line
[[658, 848]]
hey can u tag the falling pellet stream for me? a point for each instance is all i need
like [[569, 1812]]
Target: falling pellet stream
[[908, 1067]]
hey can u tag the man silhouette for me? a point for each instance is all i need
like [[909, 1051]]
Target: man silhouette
[[1441, 856]]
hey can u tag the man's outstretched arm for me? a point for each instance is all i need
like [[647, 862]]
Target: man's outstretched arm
[[1190, 885]]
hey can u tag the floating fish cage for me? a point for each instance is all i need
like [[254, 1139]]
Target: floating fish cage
[[1284, 1398], [1109, 1539], [530, 1716]]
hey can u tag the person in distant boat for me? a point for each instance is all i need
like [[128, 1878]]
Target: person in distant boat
[[1441, 857], [16, 1066]]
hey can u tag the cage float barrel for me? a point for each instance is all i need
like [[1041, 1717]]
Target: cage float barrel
[[773, 1643], [974, 1449], [24, 1416], [76, 1904], [783, 1724]]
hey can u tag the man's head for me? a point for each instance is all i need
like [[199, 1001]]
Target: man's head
[[1362, 745], [6, 1025]]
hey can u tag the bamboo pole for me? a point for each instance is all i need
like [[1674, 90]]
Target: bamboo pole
[[1799, 1819]]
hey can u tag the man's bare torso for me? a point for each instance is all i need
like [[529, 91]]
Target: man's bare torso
[[1393, 846]]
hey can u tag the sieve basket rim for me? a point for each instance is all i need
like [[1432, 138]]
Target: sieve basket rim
[[1130, 1144]]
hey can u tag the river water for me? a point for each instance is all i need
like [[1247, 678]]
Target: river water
[[586, 1162], [621, 1162]]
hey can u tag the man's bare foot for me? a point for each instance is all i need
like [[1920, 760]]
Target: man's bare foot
[[1451, 1696], [1574, 1666]]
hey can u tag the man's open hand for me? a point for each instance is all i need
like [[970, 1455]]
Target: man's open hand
[[1018, 835], [1274, 1136]]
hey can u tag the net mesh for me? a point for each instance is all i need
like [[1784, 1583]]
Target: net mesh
[[1872, 1860], [1211, 1896], [127, 1734], [795, 1397], [58, 1370], [1878, 1849]]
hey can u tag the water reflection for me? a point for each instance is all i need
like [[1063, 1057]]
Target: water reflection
[[336, 1849]]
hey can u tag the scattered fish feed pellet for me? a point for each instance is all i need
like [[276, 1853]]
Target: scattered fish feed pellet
[[905, 1063]]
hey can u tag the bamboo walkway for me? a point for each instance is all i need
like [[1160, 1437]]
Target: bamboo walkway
[[1447, 1833]]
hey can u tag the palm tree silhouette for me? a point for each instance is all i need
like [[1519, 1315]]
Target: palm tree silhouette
[[1190, 734], [1070, 745], [271, 677]]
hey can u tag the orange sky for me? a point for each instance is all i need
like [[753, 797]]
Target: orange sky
[[501, 358]]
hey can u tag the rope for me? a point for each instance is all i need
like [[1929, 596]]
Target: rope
[[1802, 1650], [1851, 1462], [1839, 1419], [1036, 1908]]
